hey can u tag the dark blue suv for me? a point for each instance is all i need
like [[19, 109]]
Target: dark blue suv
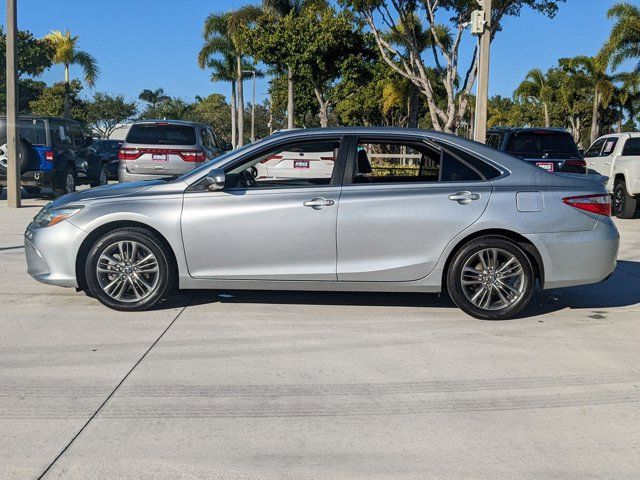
[[52, 152]]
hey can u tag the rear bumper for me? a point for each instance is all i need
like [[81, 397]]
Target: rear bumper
[[578, 258], [125, 176], [51, 253], [36, 178]]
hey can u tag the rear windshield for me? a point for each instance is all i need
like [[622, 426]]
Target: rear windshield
[[161, 134], [33, 131], [542, 145]]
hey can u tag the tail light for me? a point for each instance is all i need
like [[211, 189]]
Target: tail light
[[192, 155], [272, 157], [49, 156], [599, 203], [128, 153], [578, 163]]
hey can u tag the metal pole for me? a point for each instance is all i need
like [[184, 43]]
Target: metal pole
[[253, 110], [13, 167], [480, 130]]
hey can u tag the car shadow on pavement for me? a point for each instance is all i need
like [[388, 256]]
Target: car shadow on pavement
[[621, 289]]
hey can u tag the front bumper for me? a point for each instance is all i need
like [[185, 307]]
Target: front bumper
[[51, 253], [578, 258], [38, 178]]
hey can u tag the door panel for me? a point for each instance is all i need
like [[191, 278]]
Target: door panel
[[398, 232], [261, 233]]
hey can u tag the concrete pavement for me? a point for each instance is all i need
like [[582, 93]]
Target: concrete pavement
[[266, 385]]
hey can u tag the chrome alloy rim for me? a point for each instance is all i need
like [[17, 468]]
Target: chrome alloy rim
[[70, 183], [493, 279], [127, 271], [3, 155], [618, 200]]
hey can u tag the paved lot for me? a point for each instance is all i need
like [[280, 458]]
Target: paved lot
[[313, 385]]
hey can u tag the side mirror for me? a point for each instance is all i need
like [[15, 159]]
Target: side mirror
[[215, 180]]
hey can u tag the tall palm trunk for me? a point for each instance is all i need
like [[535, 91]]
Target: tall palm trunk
[[547, 120], [233, 114], [67, 92], [290, 107], [240, 110], [595, 117]]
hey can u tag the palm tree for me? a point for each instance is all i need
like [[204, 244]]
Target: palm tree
[[624, 41], [279, 9], [535, 88], [154, 97], [627, 96], [603, 88], [65, 52]]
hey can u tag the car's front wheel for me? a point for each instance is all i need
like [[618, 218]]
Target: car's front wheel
[[129, 269], [64, 182], [491, 278], [102, 177]]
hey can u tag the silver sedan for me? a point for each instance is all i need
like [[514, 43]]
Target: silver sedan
[[403, 211]]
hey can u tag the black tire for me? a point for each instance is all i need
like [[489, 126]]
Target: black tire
[[102, 176], [466, 254], [146, 240], [624, 205], [64, 182], [26, 156]]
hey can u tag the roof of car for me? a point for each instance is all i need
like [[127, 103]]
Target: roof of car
[[527, 129], [172, 122], [42, 117]]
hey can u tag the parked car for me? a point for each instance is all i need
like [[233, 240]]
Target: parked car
[[552, 149], [107, 151], [471, 220], [53, 152], [617, 157], [165, 148]]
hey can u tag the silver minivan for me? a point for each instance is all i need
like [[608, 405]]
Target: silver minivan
[[166, 148]]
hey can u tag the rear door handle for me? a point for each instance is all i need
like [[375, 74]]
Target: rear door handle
[[318, 203], [464, 198]]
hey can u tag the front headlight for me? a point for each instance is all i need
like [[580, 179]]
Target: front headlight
[[48, 217]]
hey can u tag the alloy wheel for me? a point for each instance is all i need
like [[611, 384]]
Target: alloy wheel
[[127, 271], [618, 200], [3, 155], [493, 279]]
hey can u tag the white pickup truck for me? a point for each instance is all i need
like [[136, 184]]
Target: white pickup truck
[[617, 156]]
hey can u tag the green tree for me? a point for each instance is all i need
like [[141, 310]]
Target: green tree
[[624, 41], [406, 57], [214, 110], [534, 88], [153, 97], [66, 52], [53, 99], [104, 112], [315, 43]]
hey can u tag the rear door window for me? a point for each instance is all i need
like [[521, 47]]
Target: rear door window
[[33, 131], [631, 147], [542, 144], [609, 146], [161, 134], [77, 135]]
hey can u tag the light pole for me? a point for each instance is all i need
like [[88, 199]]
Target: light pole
[[253, 104], [13, 169], [480, 130]]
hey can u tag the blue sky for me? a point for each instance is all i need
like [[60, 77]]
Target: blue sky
[[153, 43]]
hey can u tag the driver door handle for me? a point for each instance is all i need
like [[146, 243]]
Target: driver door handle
[[318, 203], [464, 198]]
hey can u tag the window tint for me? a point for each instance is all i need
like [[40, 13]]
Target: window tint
[[594, 150], [304, 164], [77, 135], [493, 140], [33, 131], [60, 134], [482, 168], [542, 144], [161, 134], [631, 147], [206, 140]]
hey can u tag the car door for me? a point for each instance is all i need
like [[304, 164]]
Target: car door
[[594, 159], [403, 203], [263, 229]]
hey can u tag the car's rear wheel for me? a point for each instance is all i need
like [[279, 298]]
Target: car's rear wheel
[[491, 278], [129, 269], [624, 205]]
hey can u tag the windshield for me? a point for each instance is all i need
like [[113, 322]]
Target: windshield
[[109, 147], [161, 134], [543, 144]]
